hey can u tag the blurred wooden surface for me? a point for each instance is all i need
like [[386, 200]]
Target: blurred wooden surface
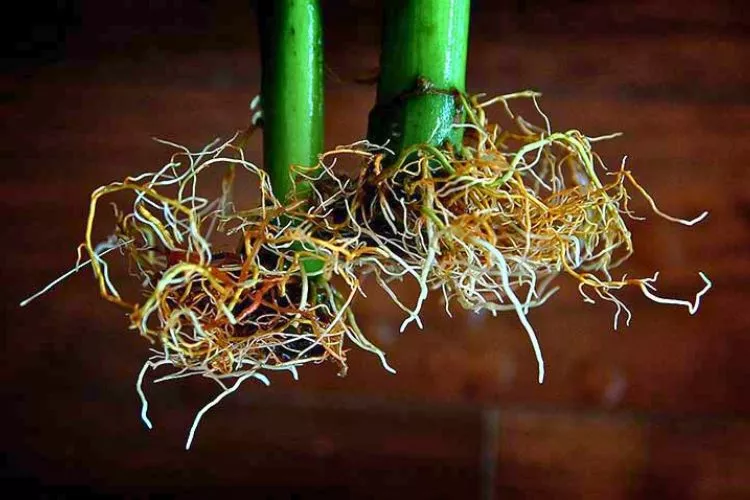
[[658, 410]]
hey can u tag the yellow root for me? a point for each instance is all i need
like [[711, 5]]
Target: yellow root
[[490, 226]]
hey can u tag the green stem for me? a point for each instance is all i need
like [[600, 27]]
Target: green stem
[[422, 67], [291, 95], [291, 88]]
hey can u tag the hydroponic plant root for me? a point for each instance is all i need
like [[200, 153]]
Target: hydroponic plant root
[[225, 293]]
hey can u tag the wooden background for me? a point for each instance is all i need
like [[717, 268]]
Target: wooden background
[[659, 409]]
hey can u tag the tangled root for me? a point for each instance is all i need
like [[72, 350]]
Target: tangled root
[[493, 223], [233, 294], [218, 310]]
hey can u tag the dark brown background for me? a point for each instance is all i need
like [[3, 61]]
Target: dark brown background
[[659, 409]]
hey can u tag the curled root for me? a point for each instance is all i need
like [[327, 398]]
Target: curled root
[[492, 223], [236, 293]]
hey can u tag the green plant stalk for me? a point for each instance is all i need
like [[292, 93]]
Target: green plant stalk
[[422, 67], [291, 88], [291, 95]]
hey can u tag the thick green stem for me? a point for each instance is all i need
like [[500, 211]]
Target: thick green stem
[[422, 66], [291, 88]]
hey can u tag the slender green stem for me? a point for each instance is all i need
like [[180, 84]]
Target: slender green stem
[[291, 88], [422, 67], [291, 95]]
